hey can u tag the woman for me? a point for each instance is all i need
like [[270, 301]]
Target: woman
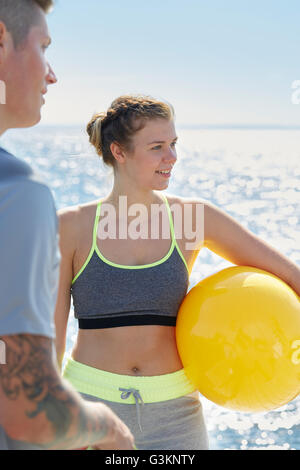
[[127, 289]]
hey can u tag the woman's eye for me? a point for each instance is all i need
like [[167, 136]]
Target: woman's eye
[[158, 147]]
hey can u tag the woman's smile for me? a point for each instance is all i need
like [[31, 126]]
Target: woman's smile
[[164, 173]]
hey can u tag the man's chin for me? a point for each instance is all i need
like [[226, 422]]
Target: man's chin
[[30, 122], [14, 120]]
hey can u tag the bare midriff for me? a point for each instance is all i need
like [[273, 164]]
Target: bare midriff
[[144, 350]]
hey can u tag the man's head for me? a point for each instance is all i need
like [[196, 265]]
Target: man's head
[[24, 38], [20, 15]]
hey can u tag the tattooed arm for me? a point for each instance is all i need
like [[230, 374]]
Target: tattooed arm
[[38, 407]]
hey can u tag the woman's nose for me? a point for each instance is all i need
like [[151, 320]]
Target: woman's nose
[[171, 156], [50, 77]]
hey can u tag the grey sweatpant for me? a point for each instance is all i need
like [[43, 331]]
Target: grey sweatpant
[[176, 424]]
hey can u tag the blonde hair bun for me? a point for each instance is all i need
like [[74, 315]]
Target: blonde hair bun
[[94, 131]]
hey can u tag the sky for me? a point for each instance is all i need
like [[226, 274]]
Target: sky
[[219, 62]]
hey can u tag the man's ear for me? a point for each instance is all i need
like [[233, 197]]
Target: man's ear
[[2, 34], [3, 41]]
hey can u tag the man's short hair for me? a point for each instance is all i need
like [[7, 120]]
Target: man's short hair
[[20, 15]]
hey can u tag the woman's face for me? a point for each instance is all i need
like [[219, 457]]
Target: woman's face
[[154, 155]]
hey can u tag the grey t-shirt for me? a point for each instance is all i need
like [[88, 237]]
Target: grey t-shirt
[[29, 255]]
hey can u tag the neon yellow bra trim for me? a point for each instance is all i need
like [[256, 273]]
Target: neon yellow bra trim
[[122, 266]]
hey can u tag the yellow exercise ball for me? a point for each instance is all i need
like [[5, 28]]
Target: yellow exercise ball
[[238, 336]]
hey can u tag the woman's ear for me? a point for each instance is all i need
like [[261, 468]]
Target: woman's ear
[[118, 152]]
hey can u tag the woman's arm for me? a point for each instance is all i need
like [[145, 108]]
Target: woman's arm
[[67, 236], [229, 239]]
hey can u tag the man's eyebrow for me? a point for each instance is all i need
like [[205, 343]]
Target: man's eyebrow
[[161, 141], [49, 40]]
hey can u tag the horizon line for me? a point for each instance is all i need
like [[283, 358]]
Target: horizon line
[[220, 126]]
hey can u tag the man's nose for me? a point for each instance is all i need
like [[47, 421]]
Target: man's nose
[[50, 77]]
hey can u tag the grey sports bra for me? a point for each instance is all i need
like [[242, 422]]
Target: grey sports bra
[[107, 295]]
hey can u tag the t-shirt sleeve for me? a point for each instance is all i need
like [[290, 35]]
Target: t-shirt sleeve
[[29, 257]]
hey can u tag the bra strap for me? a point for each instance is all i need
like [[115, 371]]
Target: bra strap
[[170, 219], [96, 223], [174, 241]]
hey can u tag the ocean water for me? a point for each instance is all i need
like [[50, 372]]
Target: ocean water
[[254, 175]]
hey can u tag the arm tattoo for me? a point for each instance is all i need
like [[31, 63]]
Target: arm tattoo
[[27, 371]]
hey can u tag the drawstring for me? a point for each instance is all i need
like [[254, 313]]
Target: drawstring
[[136, 394]]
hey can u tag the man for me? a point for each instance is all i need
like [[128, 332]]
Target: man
[[37, 408]]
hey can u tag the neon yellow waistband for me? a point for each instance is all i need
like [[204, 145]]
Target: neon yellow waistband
[[105, 385]]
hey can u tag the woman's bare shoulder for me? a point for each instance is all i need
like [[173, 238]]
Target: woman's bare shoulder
[[72, 214], [182, 200], [73, 219]]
